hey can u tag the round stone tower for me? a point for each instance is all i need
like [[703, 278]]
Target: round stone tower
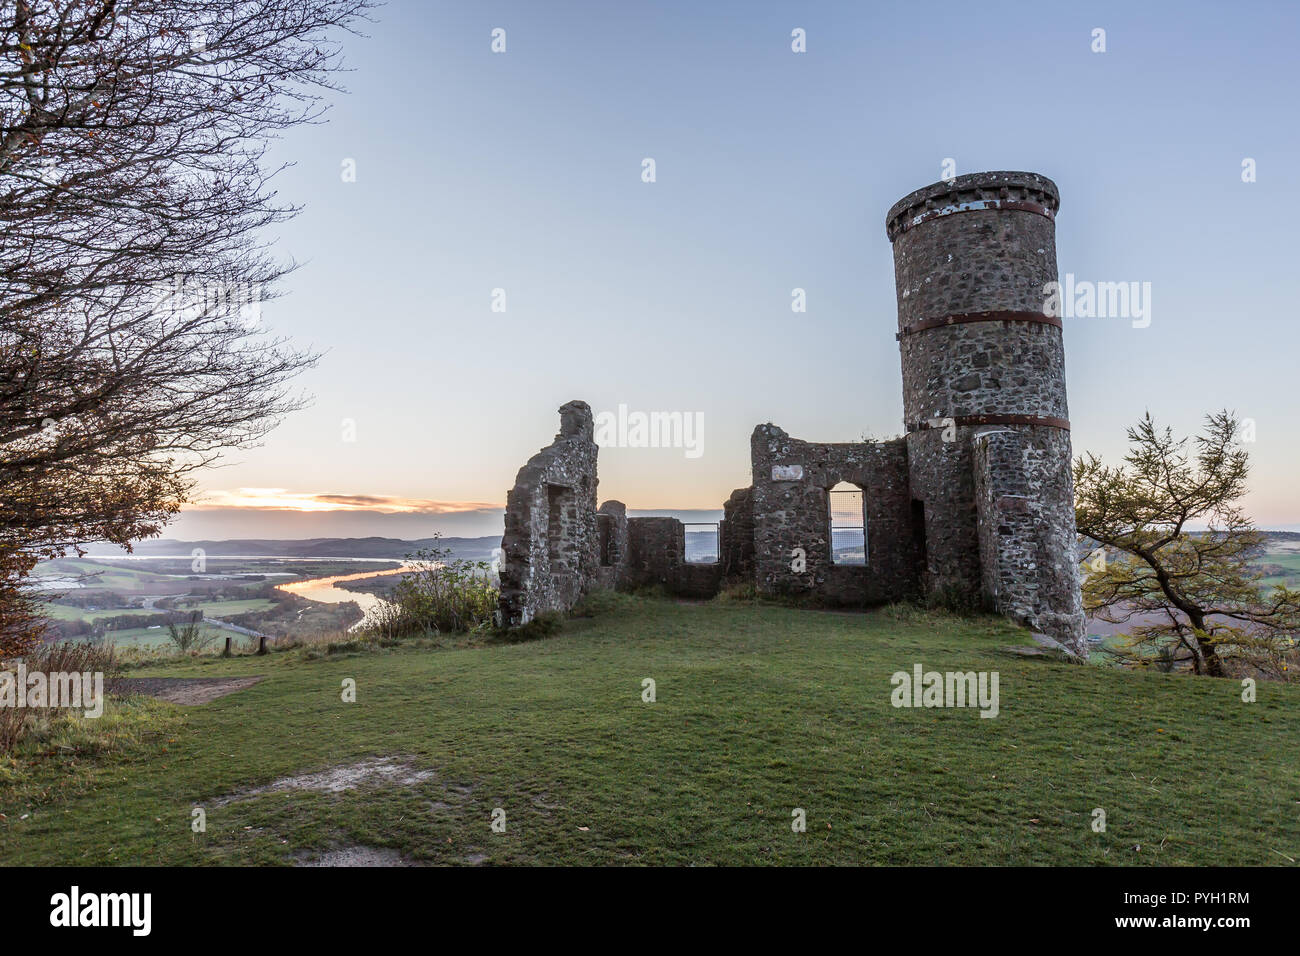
[[988, 431]]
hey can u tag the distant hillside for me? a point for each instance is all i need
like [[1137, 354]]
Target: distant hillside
[[472, 549], [701, 546], [1274, 540]]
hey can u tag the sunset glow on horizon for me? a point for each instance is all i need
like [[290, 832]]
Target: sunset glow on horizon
[[281, 499]]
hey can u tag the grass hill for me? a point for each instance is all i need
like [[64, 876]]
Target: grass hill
[[760, 710]]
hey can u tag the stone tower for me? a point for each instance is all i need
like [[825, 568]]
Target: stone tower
[[988, 432]]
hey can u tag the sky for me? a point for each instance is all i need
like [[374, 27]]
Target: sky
[[522, 171]]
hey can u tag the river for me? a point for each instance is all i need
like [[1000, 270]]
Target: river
[[327, 591]]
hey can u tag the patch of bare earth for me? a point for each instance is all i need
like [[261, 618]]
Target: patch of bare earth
[[180, 690], [355, 856], [392, 771], [373, 771]]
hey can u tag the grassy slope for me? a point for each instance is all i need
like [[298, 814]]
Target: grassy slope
[[759, 710]]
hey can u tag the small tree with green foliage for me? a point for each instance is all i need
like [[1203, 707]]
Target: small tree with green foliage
[[438, 594], [1196, 595], [189, 637]]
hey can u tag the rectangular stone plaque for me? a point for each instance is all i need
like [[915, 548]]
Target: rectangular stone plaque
[[787, 472]]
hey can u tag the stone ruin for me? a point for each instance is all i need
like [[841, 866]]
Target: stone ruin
[[974, 504], [549, 550]]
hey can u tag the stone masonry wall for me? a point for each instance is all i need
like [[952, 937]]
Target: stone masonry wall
[[1008, 542], [737, 536], [792, 479], [551, 541], [1023, 491], [656, 551], [657, 558], [612, 547]]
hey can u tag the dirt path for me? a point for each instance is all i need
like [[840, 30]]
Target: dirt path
[[180, 690]]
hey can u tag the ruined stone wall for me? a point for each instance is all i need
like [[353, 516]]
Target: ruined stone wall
[[974, 503], [972, 259], [657, 558], [551, 540], [736, 536], [612, 545], [792, 479], [656, 552], [698, 581]]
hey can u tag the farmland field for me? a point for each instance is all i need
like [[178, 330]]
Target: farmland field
[[89, 598]]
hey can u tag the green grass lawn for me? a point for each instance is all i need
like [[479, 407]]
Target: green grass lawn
[[157, 637], [143, 637], [760, 710], [222, 609], [64, 612], [218, 609]]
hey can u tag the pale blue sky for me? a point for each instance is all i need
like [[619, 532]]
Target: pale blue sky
[[774, 170]]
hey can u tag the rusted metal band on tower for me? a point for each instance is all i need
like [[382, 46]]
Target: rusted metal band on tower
[[960, 420], [961, 318], [977, 205]]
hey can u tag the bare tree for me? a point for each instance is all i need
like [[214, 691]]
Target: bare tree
[[135, 195]]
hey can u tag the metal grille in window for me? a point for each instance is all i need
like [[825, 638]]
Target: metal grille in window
[[848, 525], [701, 543]]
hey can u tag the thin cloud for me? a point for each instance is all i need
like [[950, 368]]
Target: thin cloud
[[281, 499]]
